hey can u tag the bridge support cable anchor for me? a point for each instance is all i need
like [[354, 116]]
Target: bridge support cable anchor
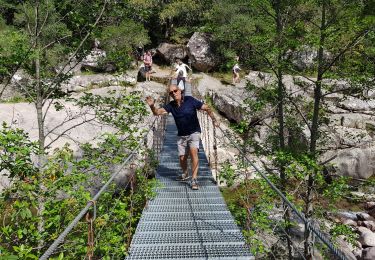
[[90, 232]]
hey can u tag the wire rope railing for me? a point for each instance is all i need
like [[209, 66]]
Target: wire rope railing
[[151, 138], [208, 128]]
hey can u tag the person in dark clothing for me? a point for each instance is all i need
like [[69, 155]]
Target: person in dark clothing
[[184, 111]]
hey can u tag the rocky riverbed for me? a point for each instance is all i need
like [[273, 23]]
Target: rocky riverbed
[[352, 122]]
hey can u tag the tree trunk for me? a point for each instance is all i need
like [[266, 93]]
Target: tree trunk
[[315, 130], [280, 93], [39, 111]]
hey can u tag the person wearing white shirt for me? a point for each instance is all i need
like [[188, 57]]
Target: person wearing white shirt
[[236, 72], [181, 73]]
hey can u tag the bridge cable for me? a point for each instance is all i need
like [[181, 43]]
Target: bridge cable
[[90, 203], [307, 222]]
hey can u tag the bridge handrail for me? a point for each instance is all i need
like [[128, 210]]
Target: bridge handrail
[[307, 223], [92, 202]]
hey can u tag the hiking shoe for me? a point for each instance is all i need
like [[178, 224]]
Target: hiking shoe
[[183, 177], [194, 184]]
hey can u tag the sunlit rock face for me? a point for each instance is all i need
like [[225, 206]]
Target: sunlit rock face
[[170, 52], [200, 52], [347, 137]]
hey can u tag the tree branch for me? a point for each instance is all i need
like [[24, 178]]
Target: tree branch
[[65, 131], [79, 47], [347, 47], [299, 112]]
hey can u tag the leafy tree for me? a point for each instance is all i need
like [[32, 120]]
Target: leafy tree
[[67, 182], [49, 44], [231, 24], [120, 40], [277, 28], [16, 152]]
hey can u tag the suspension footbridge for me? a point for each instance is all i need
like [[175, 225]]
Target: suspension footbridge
[[181, 223]]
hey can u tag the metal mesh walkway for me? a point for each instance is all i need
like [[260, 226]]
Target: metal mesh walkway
[[184, 224]]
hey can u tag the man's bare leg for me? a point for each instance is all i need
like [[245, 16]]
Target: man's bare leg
[[183, 164], [194, 162]]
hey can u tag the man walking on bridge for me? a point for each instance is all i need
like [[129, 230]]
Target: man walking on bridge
[[184, 111]]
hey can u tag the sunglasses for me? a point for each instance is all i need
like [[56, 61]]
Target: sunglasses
[[173, 91]]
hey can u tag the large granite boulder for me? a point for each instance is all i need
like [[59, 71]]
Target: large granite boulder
[[355, 104], [14, 88], [201, 53], [366, 237], [93, 62], [305, 57], [356, 162], [368, 253], [84, 82], [169, 52], [230, 103]]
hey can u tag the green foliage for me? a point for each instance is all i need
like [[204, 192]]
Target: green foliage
[[66, 183], [227, 174], [231, 24], [241, 127], [180, 34], [337, 189], [250, 203], [16, 151], [15, 99], [120, 40], [346, 231], [264, 97], [121, 110], [14, 49]]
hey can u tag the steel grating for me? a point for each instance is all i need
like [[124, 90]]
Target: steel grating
[[183, 216], [181, 238], [182, 189], [186, 208], [222, 225], [184, 224], [196, 194], [188, 201], [190, 251]]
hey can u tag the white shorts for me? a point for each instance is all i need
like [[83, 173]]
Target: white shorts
[[188, 141]]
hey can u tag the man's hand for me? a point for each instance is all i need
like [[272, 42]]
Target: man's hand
[[150, 101], [215, 122]]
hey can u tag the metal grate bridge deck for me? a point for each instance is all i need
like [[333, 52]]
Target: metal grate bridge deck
[[184, 224]]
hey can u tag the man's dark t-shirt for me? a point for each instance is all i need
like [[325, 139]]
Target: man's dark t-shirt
[[185, 116]]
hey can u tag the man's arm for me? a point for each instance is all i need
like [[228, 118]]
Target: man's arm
[[156, 111], [210, 113]]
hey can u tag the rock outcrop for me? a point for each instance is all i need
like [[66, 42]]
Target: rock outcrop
[[348, 138], [79, 83], [361, 223], [368, 253], [169, 52], [305, 57], [93, 62], [201, 53]]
